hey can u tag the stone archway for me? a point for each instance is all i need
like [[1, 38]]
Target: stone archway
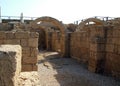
[[54, 21], [95, 20], [58, 24]]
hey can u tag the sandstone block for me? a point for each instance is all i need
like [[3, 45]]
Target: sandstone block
[[109, 33], [10, 35], [13, 41], [33, 42], [110, 41], [1, 41], [27, 67], [34, 52], [116, 32], [112, 65], [35, 67], [29, 60], [24, 42], [109, 47], [10, 64], [22, 35], [26, 50], [34, 35], [2, 35]]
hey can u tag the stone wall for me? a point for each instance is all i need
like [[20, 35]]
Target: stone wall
[[10, 64], [55, 41], [99, 46], [79, 46], [29, 43], [112, 64]]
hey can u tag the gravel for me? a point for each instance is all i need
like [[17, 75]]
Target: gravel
[[56, 71]]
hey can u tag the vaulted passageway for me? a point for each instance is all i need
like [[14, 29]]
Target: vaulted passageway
[[55, 35]]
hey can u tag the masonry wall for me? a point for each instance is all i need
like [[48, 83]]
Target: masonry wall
[[112, 65], [55, 41], [29, 43], [79, 46], [99, 46]]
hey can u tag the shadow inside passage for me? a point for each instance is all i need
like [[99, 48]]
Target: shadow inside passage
[[72, 73]]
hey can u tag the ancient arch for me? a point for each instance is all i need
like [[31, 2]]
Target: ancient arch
[[51, 20], [95, 20], [58, 24]]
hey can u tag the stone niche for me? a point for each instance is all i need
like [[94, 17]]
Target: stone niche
[[10, 64]]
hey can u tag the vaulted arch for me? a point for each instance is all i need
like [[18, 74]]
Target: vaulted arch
[[95, 20], [54, 21]]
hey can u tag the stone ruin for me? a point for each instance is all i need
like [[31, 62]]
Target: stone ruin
[[95, 44]]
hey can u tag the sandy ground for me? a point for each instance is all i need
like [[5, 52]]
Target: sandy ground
[[56, 71]]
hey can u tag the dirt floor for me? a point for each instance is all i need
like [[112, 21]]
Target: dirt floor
[[56, 71]]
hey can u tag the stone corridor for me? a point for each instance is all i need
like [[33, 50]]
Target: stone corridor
[[89, 52], [55, 71]]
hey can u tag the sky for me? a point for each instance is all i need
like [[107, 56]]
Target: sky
[[66, 11]]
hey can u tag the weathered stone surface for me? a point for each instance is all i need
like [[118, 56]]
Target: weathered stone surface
[[29, 79], [10, 64], [33, 42], [27, 40], [27, 67], [12, 41], [22, 35], [24, 42], [34, 35]]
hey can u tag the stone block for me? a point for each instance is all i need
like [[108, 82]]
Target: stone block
[[34, 52], [109, 48], [10, 64], [22, 35], [10, 35], [35, 68], [112, 65], [93, 47], [29, 60], [116, 41], [33, 42], [27, 67], [110, 41], [26, 50], [34, 35], [13, 41], [109, 33], [116, 33], [1, 41], [2, 35], [24, 42]]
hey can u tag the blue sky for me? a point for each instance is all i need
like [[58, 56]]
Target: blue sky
[[67, 11]]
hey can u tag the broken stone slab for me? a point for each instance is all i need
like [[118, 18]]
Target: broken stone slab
[[10, 64]]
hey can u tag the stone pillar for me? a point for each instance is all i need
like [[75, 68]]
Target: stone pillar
[[97, 55], [63, 45], [10, 64]]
